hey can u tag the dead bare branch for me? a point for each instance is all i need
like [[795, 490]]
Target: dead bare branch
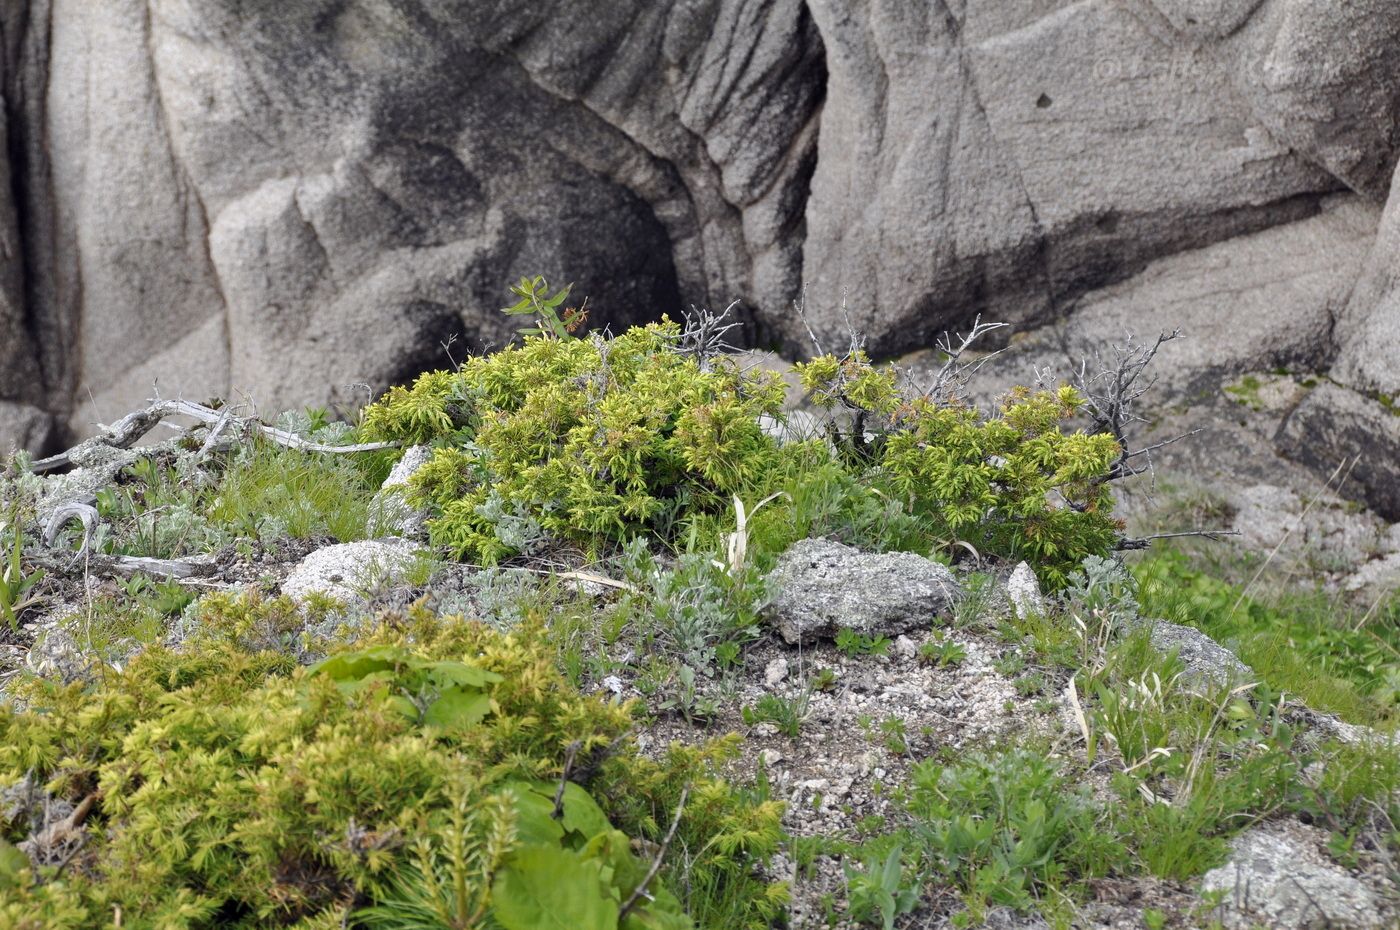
[[1144, 542], [703, 333], [63, 514], [954, 374], [570, 754], [799, 307], [1112, 389], [127, 431], [641, 890]]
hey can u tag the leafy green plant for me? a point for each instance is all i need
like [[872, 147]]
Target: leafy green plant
[[165, 598], [1006, 828], [878, 892], [787, 714], [896, 734], [594, 440], [683, 695], [155, 512], [690, 608], [1336, 658], [1102, 588], [424, 775], [942, 653], [535, 300], [269, 491], [15, 582], [855, 643], [988, 483], [531, 856]]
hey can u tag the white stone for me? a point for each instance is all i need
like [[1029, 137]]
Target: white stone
[[1023, 590], [345, 571], [1277, 879], [776, 671]]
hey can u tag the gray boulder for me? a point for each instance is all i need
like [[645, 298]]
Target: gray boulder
[[1335, 429], [1206, 663], [820, 587], [1368, 326], [1277, 880]]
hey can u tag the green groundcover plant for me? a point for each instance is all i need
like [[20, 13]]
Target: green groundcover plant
[[436, 773], [596, 440]]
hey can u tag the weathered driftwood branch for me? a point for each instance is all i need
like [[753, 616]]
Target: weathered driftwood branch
[[1128, 543], [127, 431], [125, 565], [72, 510]]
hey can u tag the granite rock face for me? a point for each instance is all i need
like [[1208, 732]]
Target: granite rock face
[[1335, 429], [301, 203]]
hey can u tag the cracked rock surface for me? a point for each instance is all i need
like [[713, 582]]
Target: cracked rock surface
[[289, 201]]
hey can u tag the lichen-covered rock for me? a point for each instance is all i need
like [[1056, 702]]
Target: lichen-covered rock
[[820, 587], [349, 571], [1277, 880], [1206, 663], [1337, 429]]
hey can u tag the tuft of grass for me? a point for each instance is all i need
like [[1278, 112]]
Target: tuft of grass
[[270, 491]]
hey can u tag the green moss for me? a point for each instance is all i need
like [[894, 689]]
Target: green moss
[[234, 788], [1246, 392]]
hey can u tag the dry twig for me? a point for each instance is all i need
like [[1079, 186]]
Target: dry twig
[[641, 890]]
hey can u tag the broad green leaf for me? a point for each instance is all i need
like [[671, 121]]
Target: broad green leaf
[[457, 709], [352, 666], [458, 673], [404, 706], [662, 912], [534, 821], [12, 862], [541, 888], [622, 868], [582, 814]]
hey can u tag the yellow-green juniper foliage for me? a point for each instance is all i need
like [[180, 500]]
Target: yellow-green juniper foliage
[[411, 778], [596, 440], [593, 439]]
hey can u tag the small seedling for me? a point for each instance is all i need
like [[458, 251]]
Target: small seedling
[[787, 714], [854, 643], [896, 735], [942, 653], [878, 891], [15, 585]]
